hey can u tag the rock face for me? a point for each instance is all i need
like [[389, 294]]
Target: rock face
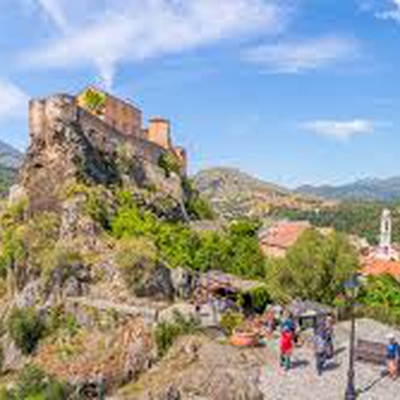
[[156, 283], [113, 356], [79, 228], [198, 368]]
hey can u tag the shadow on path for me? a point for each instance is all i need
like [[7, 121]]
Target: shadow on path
[[339, 351], [331, 366], [300, 364], [372, 384]]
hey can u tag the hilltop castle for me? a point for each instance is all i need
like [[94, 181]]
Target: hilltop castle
[[88, 134], [110, 118]]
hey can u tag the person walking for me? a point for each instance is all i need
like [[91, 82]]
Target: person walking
[[269, 321], [320, 347], [392, 356], [329, 332], [288, 322], [286, 348]]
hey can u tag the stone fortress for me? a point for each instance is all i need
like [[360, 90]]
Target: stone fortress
[[88, 134], [107, 120]]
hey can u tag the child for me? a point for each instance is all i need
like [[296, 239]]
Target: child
[[392, 356], [286, 348]]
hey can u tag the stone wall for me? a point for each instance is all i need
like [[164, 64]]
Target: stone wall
[[46, 115]]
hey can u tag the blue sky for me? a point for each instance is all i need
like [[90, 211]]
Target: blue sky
[[294, 91]]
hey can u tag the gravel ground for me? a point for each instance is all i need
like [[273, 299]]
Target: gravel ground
[[303, 383]]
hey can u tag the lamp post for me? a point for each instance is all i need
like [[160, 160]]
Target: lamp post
[[351, 287]]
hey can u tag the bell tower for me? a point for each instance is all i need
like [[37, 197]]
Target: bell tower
[[385, 240]]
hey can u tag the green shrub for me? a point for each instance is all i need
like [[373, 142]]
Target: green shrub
[[197, 207], [58, 320], [230, 321], [14, 214], [130, 222], [136, 258], [96, 203], [169, 163], [34, 384], [380, 299], [260, 298], [26, 329], [166, 333], [64, 260]]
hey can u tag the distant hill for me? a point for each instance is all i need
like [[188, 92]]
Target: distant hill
[[366, 189], [235, 194], [9, 157], [10, 161]]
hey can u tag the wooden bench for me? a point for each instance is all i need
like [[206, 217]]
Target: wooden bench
[[370, 352]]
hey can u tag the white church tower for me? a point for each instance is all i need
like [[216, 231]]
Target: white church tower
[[385, 251], [385, 241]]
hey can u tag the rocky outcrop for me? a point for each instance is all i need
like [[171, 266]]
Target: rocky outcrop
[[199, 368], [110, 357], [155, 283], [78, 229]]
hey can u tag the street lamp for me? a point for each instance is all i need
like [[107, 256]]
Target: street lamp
[[351, 287]]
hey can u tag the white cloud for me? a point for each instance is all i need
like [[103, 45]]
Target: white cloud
[[54, 9], [302, 55], [134, 30], [13, 101], [387, 9], [340, 129]]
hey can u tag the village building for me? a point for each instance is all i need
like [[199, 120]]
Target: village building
[[277, 239], [384, 258]]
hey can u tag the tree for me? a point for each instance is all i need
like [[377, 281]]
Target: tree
[[130, 221], [213, 253], [26, 329], [245, 257], [177, 245], [315, 268]]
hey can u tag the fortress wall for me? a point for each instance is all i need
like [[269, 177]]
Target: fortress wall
[[49, 115], [108, 139]]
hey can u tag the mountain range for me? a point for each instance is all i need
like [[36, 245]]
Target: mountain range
[[371, 189], [235, 194]]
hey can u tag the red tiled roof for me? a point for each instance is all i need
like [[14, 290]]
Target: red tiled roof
[[284, 234], [379, 267]]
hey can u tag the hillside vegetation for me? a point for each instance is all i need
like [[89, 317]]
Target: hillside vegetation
[[234, 194], [7, 177]]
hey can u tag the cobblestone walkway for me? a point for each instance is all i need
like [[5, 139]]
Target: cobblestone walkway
[[303, 383]]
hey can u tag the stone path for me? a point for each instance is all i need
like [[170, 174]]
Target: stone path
[[303, 383]]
